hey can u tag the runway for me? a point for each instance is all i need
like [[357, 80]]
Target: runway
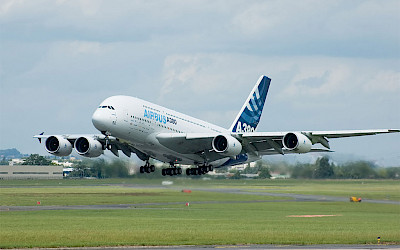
[[296, 197]]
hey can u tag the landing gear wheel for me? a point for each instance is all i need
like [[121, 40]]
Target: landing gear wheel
[[152, 168], [142, 170]]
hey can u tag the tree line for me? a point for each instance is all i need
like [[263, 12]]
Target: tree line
[[322, 168]]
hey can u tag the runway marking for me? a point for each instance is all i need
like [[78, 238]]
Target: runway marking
[[313, 215]]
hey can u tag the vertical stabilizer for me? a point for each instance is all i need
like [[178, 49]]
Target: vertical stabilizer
[[250, 114]]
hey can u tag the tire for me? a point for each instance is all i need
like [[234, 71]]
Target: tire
[[188, 172], [141, 170], [152, 168]]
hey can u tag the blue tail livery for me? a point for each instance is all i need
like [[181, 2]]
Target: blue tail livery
[[250, 114]]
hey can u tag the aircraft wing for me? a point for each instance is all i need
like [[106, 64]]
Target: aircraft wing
[[267, 143], [351, 133], [257, 143]]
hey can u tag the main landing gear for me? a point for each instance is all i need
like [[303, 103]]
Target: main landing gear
[[200, 170], [172, 170], [147, 168]]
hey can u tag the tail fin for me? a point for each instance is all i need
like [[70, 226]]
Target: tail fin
[[250, 114]]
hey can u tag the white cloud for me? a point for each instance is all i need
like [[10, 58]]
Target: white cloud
[[384, 81], [333, 64]]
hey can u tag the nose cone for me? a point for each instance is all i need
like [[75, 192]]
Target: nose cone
[[100, 120]]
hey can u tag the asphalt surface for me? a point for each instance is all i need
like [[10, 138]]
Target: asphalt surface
[[296, 197]]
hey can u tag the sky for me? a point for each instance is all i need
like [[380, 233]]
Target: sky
[[334, 65]]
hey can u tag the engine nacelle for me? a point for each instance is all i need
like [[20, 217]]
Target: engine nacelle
[[226, 145], [88, 147], [297, 142], [57, 145]]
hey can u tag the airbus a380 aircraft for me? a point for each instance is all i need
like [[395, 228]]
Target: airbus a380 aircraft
[[132, 125]]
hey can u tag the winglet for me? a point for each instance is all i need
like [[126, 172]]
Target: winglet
[[40, 138], [250, 114]]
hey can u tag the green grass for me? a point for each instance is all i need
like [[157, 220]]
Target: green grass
[[88, 195], [227, 223], [367, 189], [255, 223]]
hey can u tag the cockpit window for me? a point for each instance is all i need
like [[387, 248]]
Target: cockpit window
[[106, 107]]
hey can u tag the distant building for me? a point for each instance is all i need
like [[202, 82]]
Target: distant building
[[30, 172], [65, 164], [16, 162], [277, 175], [250, 175]]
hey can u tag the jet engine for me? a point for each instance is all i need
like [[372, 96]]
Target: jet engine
[[226, 145], [57, 145], [88, 147], [297, 142]]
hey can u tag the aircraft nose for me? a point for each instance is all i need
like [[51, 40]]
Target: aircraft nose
[[99, 120]]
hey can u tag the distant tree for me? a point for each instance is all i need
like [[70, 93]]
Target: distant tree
[[4, 161], [323, 168], [80, 170], [393, 173], [99, 168], [303, 171], [264, 173], [236, 175], [360, 170], [35, 159]]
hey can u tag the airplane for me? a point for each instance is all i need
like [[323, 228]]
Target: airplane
[[132, 125]]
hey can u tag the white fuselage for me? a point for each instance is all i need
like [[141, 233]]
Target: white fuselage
[[138, 122]]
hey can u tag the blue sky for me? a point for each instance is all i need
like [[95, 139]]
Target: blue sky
[[333, 64]]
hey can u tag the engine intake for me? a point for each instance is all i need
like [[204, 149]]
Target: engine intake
[[297, 142], [88, 147], [226, 145], [57, 145]]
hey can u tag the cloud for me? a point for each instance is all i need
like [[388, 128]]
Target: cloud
[[333, 64]]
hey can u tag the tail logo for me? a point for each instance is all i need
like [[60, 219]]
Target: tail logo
[[251, 112]]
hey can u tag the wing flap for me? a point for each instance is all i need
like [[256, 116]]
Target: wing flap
[[186, 143]]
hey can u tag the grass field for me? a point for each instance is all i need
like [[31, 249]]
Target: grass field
[[226, 223], [368, 189]]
